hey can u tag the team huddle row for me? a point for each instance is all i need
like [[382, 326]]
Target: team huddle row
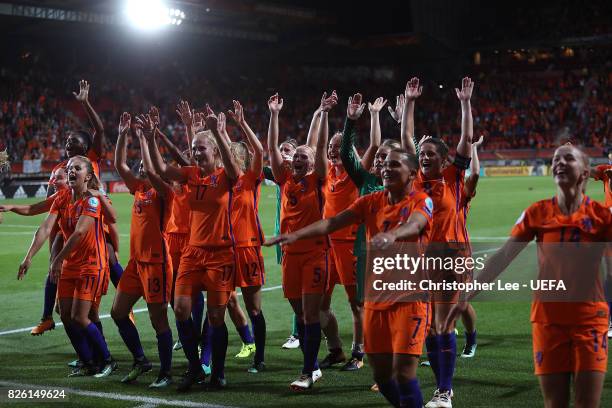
[[195, 227]]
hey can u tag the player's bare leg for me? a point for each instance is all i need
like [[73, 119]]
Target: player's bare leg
[[588, 386], [252, 302], [329, 325], [556, 390]]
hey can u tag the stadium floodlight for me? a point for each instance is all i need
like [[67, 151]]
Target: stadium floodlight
[[152, 14]]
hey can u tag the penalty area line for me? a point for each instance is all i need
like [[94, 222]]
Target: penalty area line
[[150, 401], [106, 316]]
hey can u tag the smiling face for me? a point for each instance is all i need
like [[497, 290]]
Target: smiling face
[[397, 172], [303, 161], [78, 173], [76, 145], [333, 150], [569, 167], [287, 150], [60, 179], [204, 150], [430, 160]]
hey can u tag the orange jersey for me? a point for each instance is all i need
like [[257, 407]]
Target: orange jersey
[[601, 175], [149, 217], [91, 155], [245, 218], [301, 205], [340, 192], [545, 222], [90, 251], [446, 195], [378, 215], [178, 223], [209, 200]]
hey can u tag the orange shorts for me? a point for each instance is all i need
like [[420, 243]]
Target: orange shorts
[[153, 281], [249, 267], [105, 281], [83, 284], [569, 349], [209, 269], [400, 329], [343, 267], [176, 246], [304, 273]]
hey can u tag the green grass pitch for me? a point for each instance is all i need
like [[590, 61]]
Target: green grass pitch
[[500, 375]]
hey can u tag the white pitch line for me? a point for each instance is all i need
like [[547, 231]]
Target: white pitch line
[[19, 226], [148, 401], [106, 316]]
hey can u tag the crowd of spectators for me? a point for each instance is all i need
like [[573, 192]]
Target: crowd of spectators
[[513, 110]]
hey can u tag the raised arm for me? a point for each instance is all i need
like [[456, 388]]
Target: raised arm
[[83, 225], [464, 148], [313, 131], [375, 133], [469, 188], [186, 114], [94, 119], [350, 160], [121, 153], [275, 104], [145, 129], [320, 164], [411, 93], [396, 113], [40, 236], [238, 116], [316, 229], [167, 171], [174, 151], [231, 168]]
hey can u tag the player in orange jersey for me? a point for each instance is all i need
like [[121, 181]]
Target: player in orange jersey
[[81, 142], [304, 265], [394, 331], [177, 233], [248, 236], [81, 265], [443, 182], [208, 262], [469, 191], [604, 173], [569, 336], [340, 192], [149, 270]]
